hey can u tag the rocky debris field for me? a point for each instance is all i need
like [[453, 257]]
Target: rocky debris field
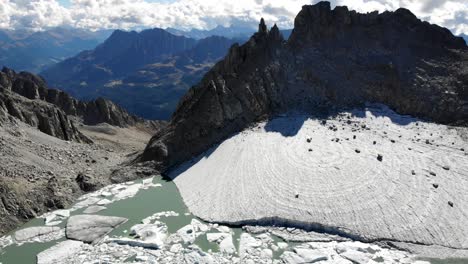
[[367, 174], [39, 172], [90, 238]]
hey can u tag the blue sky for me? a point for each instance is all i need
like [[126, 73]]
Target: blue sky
[[203, 14], [64, 2]]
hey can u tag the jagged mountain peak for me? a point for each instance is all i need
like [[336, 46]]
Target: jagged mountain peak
[[262, 28], [319, 22], [334, 58]]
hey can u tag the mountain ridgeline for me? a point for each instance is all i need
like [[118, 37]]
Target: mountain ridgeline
[[26, 97], [35, 51], [146, 72], [333, 58]]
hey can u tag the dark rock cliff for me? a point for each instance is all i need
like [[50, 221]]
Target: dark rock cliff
[[26, 97], [46, 117], [333, 58]]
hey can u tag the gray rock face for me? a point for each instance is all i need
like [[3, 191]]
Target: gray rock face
[[333, 58], [26, 97], [46, 117], [88, 228], [86, 182], [34, 87]]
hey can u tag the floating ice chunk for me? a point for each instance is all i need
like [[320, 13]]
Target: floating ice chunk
[[36, 232], [86, 202], [53, 223], [94, 209], [266, 253], [175, 248], [128, 192], [103, 202], [199, 226], [187, 233], [89, 228], [151, 233], [6, 241], [59, 252], [282, 245], [105, 194], [356, 256], [311, 255], [227, 246], [55, 217], [198, 256], [223, 229], [132, 243], [216, 237], [158, 215], [148, 181]]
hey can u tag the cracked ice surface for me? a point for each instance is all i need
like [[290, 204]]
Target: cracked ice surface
[[304, 172]]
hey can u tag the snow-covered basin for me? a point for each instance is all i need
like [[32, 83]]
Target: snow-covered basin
[[371, 174]]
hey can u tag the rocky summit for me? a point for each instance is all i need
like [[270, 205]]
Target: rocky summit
[[333, 58]]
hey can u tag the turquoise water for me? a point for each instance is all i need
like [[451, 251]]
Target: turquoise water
[[135, 209]]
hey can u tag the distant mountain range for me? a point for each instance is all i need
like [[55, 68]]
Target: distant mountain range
[[146, 72], [228, 32], [237, 32], [35, 51]]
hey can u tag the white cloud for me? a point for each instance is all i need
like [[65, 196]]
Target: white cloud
[[204, 14]]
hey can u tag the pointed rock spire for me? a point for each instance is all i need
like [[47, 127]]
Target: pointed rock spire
[[275, 33], [262, 28]]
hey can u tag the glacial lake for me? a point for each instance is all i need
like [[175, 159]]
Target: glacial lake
[[144, 204]]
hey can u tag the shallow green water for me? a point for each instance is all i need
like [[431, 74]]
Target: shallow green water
[[135, 209]]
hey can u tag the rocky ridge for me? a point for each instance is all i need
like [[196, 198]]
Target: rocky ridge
[[27, 97], [334, 58]]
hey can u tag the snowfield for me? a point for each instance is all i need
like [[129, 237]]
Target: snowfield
[[368, 174]]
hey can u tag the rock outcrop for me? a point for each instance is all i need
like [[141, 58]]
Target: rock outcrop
[[94, 112], [333, 58], [27, 97], [45, 117]]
